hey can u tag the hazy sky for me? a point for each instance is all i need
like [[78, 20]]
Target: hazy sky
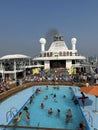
[[24, 22]]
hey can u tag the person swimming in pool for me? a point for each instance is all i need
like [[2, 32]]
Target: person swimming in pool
[[50, 111], [54, 95], [67, 119], [27, 113], [46, 97], [64, 96], [82, 126], [31, 100], [27, 116], [47, 87], [37, 91], [69, 113], [17, 118], [58, 112], [25, 108], [55, 100], [42, 105]]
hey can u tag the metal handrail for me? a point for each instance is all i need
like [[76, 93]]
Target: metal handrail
[[33, 128], [13, 108], [9, 114]]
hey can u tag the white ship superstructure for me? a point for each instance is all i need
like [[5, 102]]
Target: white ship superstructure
[[58, 55], [13, 65]]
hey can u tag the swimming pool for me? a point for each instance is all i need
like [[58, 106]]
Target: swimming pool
[[40, 117]]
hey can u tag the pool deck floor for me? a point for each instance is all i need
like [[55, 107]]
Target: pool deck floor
[[88, 111]]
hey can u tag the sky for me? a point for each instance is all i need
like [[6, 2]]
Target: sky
[[24, 22]]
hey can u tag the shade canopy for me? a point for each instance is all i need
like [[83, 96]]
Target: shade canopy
[[93, 90], [14, 56]]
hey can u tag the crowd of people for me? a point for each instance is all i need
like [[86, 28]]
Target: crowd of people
[[64, 76], [55, 76], [3, 86]]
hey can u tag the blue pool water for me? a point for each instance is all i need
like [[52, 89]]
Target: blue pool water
[[40, 117]]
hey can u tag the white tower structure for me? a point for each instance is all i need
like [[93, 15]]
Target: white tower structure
[[43, 42], [58, 55], [73, 41]]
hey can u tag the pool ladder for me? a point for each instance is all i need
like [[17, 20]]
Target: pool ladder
[[11, 113], [90, 118]]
